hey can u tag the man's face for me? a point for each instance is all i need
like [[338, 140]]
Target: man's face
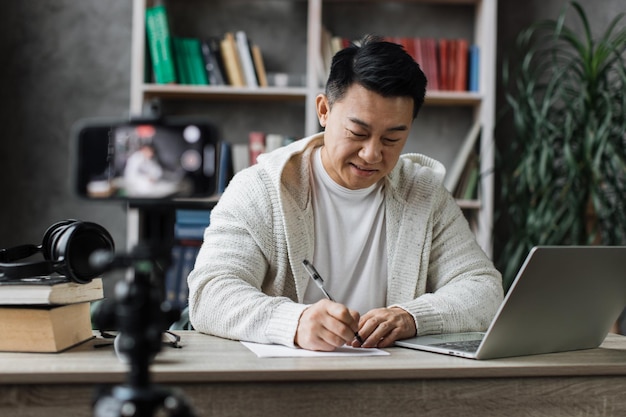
[[364, 135]]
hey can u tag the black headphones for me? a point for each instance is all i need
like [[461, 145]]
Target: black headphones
[[66, 247]]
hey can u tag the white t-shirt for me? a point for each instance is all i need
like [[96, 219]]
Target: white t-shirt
[[350, 242]]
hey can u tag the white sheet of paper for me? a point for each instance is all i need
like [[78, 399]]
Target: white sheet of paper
[[280, 351]]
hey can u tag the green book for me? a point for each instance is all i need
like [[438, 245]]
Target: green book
[[180, 58], [196, 61], [160, 45], [472, 183]]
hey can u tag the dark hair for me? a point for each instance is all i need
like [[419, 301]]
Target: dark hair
[[379, 66]]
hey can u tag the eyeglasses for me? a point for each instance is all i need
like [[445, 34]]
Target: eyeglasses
[[169, 339]]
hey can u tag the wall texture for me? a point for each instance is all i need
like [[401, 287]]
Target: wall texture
[[63, 60]]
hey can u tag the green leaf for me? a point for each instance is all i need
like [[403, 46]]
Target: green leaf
[[565, 95]]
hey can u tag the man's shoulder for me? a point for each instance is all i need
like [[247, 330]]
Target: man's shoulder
[[414, 166]]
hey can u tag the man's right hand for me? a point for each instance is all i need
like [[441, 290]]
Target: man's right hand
[[326, 325]]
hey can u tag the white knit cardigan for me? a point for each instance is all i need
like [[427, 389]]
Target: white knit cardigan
[[248, 281]]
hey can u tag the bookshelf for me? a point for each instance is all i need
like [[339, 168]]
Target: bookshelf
[[446, 116]]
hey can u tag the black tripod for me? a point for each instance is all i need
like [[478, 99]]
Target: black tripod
[[141, 316]]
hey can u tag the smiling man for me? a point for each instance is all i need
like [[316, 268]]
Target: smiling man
[[393, 247]]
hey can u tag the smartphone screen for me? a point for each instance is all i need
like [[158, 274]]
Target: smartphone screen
[[145, 160]]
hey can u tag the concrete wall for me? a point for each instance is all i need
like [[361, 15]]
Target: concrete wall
[[62, 60]]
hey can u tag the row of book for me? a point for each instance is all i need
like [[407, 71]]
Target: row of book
[[46, 313], [449, 64], [237, 156], [462, 177], [188, 234], [232, 59]]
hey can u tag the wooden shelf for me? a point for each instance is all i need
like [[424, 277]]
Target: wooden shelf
[[200, 92], [196, 92], [453, 98], [469, 204], [444, 2]]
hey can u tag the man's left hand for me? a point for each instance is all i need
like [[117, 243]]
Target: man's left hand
[[381, 327]]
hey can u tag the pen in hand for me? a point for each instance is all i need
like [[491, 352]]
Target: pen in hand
[[317, 278]]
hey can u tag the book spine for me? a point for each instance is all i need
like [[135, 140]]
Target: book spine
[[193, 216], [419, 55], [159, 45], [432, 64], [453, 175], [225, 170], [273, 141], [241, 156], [189, 231], [232, 64], [190, 224], [326, 56], [245, 57], [472, 181], [196, 61], [474, 59], [190, 253], [211, 63], [259, 65], [172, 276], [256, 143], [443, 64], [182, 70], [462, 55], [452, 64]]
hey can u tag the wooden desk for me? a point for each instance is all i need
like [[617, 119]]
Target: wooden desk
[[222, 378]]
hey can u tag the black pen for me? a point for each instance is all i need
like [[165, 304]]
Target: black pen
[[317, 278]]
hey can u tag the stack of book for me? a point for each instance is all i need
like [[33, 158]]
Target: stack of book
[[188, 234], [46, 314]]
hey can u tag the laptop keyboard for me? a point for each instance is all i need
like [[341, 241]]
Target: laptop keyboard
[[463, 346]]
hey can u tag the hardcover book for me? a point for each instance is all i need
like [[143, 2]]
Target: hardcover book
[[241, 156], [461, 65], [245, 57], [160, 45], [474, 61], [225, 168], [213, 61], [44, 328], [259, 65], [256, 145], [232, 63], [49, 290], [183, 71], [193, 49]]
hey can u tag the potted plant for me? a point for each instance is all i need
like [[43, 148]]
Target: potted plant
[[562, 172]]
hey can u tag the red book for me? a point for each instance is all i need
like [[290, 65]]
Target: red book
[[462, 52], [409, 46], [443, 64], [452, 65], [431, 61], [417, 52], [256, 145]]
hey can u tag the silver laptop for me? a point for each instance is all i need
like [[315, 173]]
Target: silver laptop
[[563, 298]]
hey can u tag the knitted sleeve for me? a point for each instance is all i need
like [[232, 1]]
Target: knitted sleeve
[[463, 290], [225, 287]]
